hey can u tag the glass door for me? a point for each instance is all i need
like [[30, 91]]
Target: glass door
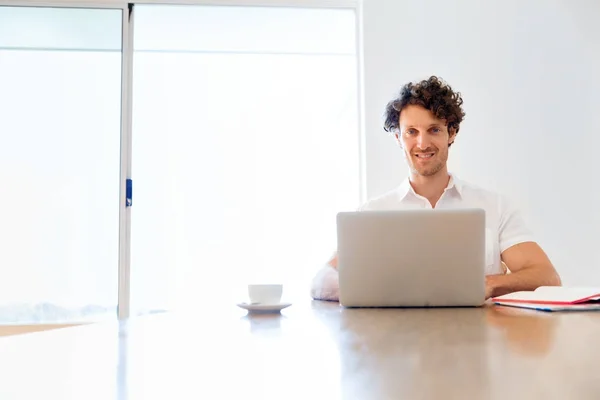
[[60, 121], [245, 146]]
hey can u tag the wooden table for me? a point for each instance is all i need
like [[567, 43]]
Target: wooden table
[[314, 350]]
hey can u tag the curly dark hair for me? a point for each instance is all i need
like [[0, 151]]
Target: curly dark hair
[[433, 94]]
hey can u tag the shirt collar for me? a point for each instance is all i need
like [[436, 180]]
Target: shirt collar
[[406, 188]]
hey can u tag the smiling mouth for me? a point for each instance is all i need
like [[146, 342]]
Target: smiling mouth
[[424, 155]]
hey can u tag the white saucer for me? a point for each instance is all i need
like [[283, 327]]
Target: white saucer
[[264, 308]]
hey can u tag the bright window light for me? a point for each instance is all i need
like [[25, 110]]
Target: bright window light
[[245, 146]]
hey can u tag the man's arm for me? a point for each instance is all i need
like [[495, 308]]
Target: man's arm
[[530, 268], [325, 284]]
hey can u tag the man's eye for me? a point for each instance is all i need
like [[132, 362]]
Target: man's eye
[[436, 130]]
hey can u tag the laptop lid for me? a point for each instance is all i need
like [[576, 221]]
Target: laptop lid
[[411, 258]]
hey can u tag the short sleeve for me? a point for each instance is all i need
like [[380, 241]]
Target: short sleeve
[[513, 229]]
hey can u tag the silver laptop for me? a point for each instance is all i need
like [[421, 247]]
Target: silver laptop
[[411, 258]]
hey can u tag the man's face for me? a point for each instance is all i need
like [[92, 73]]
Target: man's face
[[424, 139]]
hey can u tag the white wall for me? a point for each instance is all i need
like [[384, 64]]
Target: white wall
[[529, 75]]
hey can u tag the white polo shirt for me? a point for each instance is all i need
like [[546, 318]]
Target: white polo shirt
[[504, 224]]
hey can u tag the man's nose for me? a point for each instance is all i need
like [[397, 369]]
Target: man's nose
[[422, 141]]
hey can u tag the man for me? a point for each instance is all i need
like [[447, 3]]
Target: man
[[425, 120]]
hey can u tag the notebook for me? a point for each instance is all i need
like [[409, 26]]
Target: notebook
[[553, 298]]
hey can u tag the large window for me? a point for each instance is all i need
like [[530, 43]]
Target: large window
[[60, 105], [245, 145]]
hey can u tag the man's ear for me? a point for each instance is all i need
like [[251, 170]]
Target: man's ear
[[452, 136], [398, 139]]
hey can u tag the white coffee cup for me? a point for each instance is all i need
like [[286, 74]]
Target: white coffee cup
[[265, 293]]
